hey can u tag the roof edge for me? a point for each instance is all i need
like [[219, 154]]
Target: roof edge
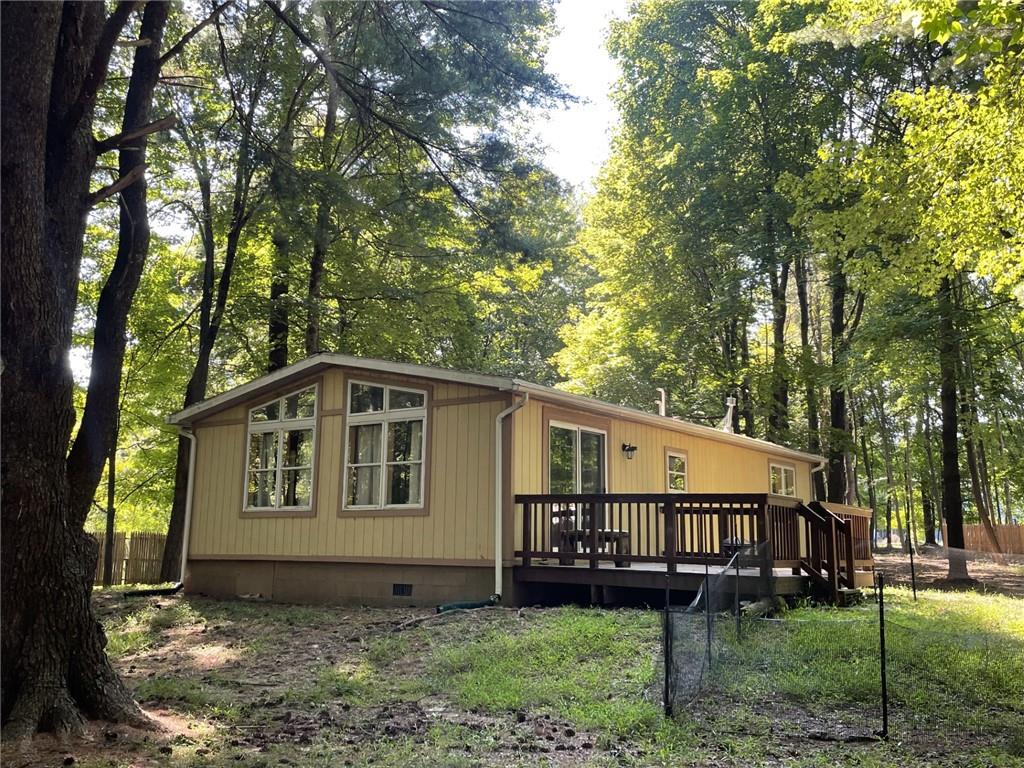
[[187, 416], [240, 393], [667, 422]]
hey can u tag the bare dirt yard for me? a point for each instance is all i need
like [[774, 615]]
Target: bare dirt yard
[[994, 573], [245, 683]]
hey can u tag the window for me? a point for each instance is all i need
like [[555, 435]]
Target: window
[[576, 459], [783, 480], [279, 464], [675, 472], [385, 446]]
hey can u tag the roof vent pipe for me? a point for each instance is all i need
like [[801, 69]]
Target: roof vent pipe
[[726, 424], [662, 402]]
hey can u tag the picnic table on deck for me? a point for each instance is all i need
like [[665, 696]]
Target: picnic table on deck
[[573, 540]]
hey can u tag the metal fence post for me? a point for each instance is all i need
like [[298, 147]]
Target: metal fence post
[[881, 656], [667, 650], [707, 608], [736, 598], [913, 572]]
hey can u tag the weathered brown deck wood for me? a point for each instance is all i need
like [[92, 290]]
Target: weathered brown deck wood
[[649, 537], [686, 578]]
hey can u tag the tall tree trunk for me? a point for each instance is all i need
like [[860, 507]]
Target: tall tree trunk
[[108, 539], [808, 371], [868, 473], [778, 414], [970, 431], [324, 212], [908, 488], [891, 502], [1001, 443], [839, 427], [933, 486], [746, 401], [215, 292], [952, 495], [928, 512], [278, 321], [54, 60]]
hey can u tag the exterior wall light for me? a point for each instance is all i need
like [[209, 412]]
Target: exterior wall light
[[629, 449]]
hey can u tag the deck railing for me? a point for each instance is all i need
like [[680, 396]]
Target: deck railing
[[692, 528]]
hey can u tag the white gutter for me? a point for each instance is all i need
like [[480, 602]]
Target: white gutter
[[676, 425], [190, 436], [498, 466]]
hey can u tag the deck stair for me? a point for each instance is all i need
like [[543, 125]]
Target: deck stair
[[828, 556]]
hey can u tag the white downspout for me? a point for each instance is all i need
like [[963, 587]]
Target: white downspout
[[498, 476], [190, 436], [815, 470]]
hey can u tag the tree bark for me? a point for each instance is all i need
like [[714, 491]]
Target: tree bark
[[215, 291], [324, 211], [952, 495], [1001, 444], [778, 415], [808, 371], [933, 487], [746, 400], [108, 539], [839, 427], [54, 61], [278, 322], [928, 511], [868, 471]]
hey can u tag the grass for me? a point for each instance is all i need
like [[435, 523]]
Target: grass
[[494, 689]]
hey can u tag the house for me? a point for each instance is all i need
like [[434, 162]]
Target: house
[[346, 479]]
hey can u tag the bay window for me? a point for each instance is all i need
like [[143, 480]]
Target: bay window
[[279, 463], [385, 446]]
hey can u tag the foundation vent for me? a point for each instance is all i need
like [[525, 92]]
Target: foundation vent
[[401, 590]]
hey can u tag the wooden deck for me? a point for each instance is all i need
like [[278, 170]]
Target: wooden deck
[[650, 541], [686, 578]]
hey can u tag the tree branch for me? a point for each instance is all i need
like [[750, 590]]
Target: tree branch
[[125, 181], [179, 46], [116, 141]]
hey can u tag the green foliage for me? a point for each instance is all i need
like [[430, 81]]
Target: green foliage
[[442, 238]]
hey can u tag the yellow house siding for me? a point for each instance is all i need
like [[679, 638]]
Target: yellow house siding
[[712, 466], [458, 526]]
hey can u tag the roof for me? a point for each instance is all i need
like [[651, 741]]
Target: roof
[[318, 362]]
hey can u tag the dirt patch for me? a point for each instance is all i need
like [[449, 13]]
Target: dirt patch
[[992, 573], [261, 684]]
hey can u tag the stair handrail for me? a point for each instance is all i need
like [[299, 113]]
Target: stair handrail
[[822, 524], [844, 530]]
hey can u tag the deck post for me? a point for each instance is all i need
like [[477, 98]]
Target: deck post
[[833, 558], [593, 535], [764, 540], [670, 535], [850, 557], [527, 537]]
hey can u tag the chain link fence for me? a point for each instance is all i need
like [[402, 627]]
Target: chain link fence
[[839, 674]]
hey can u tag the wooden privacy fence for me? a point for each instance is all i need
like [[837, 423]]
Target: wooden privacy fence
[[1010, 538], [137, 558]]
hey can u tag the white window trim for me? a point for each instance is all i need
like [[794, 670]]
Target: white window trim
[[669, 455], [384, 418], [279, 427], [783, 468], [578, 472]]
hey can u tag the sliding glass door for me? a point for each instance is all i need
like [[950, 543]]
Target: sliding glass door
[[576, 460]]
